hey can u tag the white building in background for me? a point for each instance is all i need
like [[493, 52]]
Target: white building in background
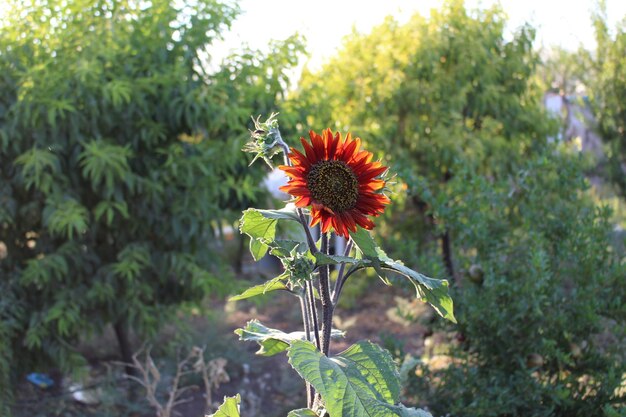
[[577, 121], [275, 179]]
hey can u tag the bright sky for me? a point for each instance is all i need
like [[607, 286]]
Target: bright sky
[[325, 22]]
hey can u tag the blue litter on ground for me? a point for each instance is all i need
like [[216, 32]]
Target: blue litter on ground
[[41, 380]]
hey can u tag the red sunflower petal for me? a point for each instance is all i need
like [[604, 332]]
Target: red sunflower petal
[[326, 223], [318, 145], [308, 149], [298, 159], [332, 144], [348, 151]]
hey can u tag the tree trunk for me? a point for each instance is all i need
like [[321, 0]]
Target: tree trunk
[[446, 250], [446, 241], [121, 332]]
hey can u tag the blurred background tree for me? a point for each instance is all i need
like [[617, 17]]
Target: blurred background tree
[[120, 163], [607, 86], [437, 96], [119, 156], [455, 107]]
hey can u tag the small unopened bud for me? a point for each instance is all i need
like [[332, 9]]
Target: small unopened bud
[[264, 139], [300, 267]]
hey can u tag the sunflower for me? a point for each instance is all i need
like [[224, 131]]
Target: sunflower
[[338, 180]]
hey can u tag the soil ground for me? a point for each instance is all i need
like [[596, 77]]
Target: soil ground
[[268, 386]]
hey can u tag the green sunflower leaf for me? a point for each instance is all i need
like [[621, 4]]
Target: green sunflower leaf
[[302, 412], [229, 408], [275, 284], [260, 225], [434, 291], [362, 381], [289, 212], [323, 259], [272, 341], [283, 248], [365, 243]]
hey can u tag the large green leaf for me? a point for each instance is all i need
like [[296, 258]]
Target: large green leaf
[[229, 408], [260, 229], [365, 243], [362, 381], [323, 259], [434, 291], [302, 412], [272, 341], [283, 248], [260, 225], [274, 284], [289, 212]]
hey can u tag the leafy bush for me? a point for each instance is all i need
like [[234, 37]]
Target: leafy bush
[[606, 79], [119, 154], [540, 286], [454, 102]]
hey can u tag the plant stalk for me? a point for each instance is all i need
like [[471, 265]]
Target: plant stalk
[[315, 321], [307, 331], [327, 304], [340, 275]]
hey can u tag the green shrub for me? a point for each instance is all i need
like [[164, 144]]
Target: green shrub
[[540, 286], [119, 154], [454, 102]]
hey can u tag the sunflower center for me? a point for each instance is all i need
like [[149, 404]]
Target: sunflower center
[[333, 184]]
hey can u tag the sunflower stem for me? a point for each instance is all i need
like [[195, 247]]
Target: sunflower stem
[[341, 283], [313, 309], [306, 320], [327, 304], [310, 391], [342, 268], [307, 231]]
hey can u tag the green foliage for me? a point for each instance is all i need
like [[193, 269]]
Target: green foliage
[[361, 381], [532, 325], [274, 284], [260, 225], [434, 291], [607, 83], [272, 341], [118, 156], [229, 408], [454, 103]]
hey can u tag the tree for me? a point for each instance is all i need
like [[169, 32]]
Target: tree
[[437, 95], [118, 153], [607, 82], [454, 103]]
